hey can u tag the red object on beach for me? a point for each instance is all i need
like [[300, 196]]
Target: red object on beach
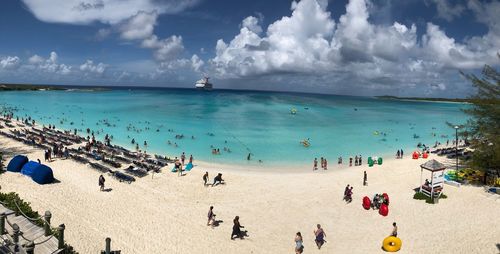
[[415, 155], [386, 198], [425, 155], [383, 210], [367, 203]]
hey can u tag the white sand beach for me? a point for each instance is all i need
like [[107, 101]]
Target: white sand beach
[[167, 213]]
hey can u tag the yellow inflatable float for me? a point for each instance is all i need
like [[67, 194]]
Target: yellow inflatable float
[[392, 244]]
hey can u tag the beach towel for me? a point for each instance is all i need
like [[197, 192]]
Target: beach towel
[[188, 167]]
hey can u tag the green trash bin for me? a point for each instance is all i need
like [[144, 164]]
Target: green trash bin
[[379, 161]]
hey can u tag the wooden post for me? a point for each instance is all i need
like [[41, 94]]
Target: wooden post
[[108, 245], [30, 248], [15, 236], [46, 225], [60, 237], [2, 223]]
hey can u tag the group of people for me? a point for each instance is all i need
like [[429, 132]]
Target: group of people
[[348, 193], [399, 154], [319, 239], [378, 200], [236, 232], [217, 179], [357, 161], [324, 164], [56, 151]]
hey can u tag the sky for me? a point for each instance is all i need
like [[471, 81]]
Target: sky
[[352, 47]]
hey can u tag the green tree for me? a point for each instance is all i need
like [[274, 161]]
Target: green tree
[[484, 127]]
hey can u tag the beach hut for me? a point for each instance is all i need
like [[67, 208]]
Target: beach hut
[[17, 163], [434, 187], [42, 174]]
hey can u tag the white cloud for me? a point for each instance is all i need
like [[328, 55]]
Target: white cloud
[[10, 62], [196, 63], [90, 67], [164, 50], [139, 26], [104, 11], [50, 65], [252, 24], [36, 59], [354, 51]]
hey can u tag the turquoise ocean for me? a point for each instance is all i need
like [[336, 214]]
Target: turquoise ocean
[[246, 122]]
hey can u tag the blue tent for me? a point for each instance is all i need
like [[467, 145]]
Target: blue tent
[[29, 168], [17, 163], [42, 174], [189, 166]]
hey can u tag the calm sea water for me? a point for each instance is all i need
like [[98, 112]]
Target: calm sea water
[[245, 122]]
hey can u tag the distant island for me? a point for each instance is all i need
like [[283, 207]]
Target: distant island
[[29, 87], [389, 97]]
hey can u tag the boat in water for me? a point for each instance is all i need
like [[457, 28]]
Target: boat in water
[[204, 84]]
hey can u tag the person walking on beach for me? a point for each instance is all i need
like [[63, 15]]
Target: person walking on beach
[[299, 246], [205, 179], [101, 182], [211, 216], [320, 235], [398, 155], [326, 165], [237, 228], [356, 160], [360, 161], [365, 178], [394, 230], [401, 153], [315, 164], [191, 159], [350, 161], [322, 161], [178, 167]]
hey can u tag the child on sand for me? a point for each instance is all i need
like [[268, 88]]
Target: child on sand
[[205, 179], [394, 230], [211, 216], [218, 180]]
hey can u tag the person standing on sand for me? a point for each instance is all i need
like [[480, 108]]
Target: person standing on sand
[[326, 165], [101, 182], [320, 235], [237, 228], [365, 178], [183, 158], [315, 164], [205, 179], [178, 167], [356, 160], [394, 230], [350, 161], [322, 161], [360, 160], [211, 217], [299, 246], [191, 159], [401, 153]]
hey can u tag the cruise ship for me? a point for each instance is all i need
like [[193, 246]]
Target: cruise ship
[[204, 84]]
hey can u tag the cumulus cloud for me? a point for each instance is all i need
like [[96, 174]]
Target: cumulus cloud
[[354, 50], [164, 50], [196, 63], [50, 64], [139, 26], [90, 67], [104, 11], [9, 62]]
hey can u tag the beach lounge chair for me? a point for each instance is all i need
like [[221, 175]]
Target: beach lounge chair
[[136, 171], [122, 177]]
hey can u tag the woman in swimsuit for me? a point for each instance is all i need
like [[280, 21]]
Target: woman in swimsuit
[[320, 236]]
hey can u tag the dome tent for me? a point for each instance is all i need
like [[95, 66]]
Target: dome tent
[[29, 168], [17, 163], [42, 174]]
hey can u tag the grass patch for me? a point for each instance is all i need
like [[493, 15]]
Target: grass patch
[[428, 200]]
